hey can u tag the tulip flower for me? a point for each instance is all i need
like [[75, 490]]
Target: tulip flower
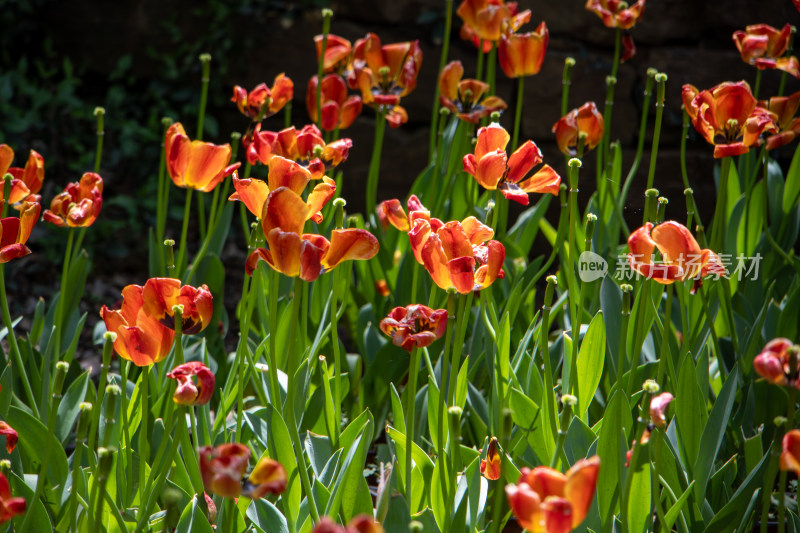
[[465, 98], [391, 212], [681, 256], [790, 456], [359, 524], [337, 52], [583, 120], [763, 46], [546, 501], [223, 472], [14, 232], [195, 383], [161, 295], [195, 164], [9, 507], [295, 253], [457, 254], [141, 338], [11, 436], [306, 147], [79, 205], [772, 363], [486, 20], [338, 110], [31, 176], [522, 54], [619, 14], [386, 73], [657, 407], [263, 99], [490, 467], [728, 117], [784, 109], [414, 326], [493, 169], [288, 174]]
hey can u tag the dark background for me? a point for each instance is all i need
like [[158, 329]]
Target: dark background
[[138, 59]]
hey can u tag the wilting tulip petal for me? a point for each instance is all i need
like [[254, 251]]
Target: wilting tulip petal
[[14, 232], [195, 164], [195, 383], [349, 244], [11, 436], [9, 507], [490, 467]]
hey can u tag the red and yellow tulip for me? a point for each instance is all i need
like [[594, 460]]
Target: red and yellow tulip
[[195, 383], [790, 455], [338, 109], [522, 54], [11, 436], [14, 232], [161, 295], [195, 164], [9, 507], [585, 120], [494, 169], [772, 363], [622, 15], [223, 468], [337, 53], [467, 99], [79, 205], [681, 256], [263, 99], [728, 117], [414, 326], [31, 176], [546, 501], [486, 20], [784, 110], [763, 46], [491, 465]]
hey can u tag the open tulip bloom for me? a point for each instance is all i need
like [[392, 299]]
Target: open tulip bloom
[[31, 176], [487, 20], [161, 295], [681, 256], [196, 164], [466, 98], [338, 52], [522, 54], [14, 232], [338, 109], [195, 383], [223, 470], [622, 15], [763, 46], [264, 101], [414, 326], [585, 120], [79, 205], [494, 169], [784, 110]]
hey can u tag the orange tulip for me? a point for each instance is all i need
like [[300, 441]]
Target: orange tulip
[[657, 407], [252, 104], [268, 477], [195, 164], [762, 46], [491, 465], [222, 468], [305, 147], [457, 254], [681, 256], [772, 363], [32, 176], [11, 436], [14, 232], [790, 456], [487, 20], [727, 117], [547, 501], [466, 98], [338, 110], [386, 73], [9, 507], [295, 253], [161, 295], [288, 174], [141, 338], [493, 169], [522, 54], [195, 383], [79, 205], [619, 14], [784, 109], [584, 120], [414, 326], [337, 52]]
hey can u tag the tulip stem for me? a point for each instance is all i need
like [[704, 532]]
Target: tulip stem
[[326, 28], [479, 68], [375, 163], [58, 318], [101, 390], [573, 285], [337, 359], [661, 80], [491, 67], [190, 458], [788, 426], [411, 396], [241, 350], [99, 112], [272, 303], [611, 81], [162, 195], [718, 232], [180, 263], [448, 24], [144, 433], [566, 81], [14, 347]]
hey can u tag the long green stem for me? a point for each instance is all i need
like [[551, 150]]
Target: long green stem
[[611, 81], [375, 164], [162, 190], [544, 349], [719, 231], [566, 81], [272, 302], [144, 432], [790, 408], [411, 395], [648, 93], [572, 283], [661, 80], [326, 29], [99, 112], [58, 319], [448, 24], [180, 263], [16, 358], [205, 60]]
